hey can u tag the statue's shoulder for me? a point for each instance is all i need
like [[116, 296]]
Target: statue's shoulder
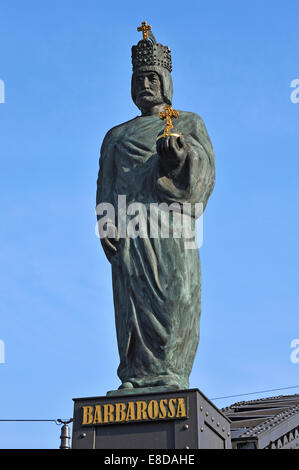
[[191, 120], [193, 124], [117, 131], [113, 135], [190, 115]]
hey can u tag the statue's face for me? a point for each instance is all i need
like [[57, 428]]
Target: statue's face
[[148, 90]]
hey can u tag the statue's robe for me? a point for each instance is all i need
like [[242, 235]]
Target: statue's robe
[[156, 281]]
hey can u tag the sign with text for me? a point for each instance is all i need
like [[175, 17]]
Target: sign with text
[[134, 411]]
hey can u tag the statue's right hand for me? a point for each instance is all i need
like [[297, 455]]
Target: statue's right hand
[[110, 240]]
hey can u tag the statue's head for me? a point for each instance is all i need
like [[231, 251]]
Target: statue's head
[[151, 79], [151, 85]]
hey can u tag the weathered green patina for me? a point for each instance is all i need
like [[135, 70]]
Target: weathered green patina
[[156, 281]]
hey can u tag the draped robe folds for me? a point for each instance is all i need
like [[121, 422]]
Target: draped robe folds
[[156, 281]]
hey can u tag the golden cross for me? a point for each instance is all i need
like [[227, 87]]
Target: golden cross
[[144, 28], [168, 114]]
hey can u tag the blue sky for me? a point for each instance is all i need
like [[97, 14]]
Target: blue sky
[[66, 66]]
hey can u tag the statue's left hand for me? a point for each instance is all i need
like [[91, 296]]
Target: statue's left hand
[[172, 151]]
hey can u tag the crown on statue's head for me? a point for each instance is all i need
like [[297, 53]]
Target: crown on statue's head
[[149, 52]]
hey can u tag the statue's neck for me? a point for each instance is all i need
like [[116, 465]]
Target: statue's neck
[[157, 108]]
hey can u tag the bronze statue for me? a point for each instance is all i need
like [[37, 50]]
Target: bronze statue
[[156, 280]]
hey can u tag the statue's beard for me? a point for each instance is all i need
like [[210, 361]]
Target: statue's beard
[[148, 100]]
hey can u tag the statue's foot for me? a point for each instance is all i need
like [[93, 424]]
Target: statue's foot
[[126, 385]]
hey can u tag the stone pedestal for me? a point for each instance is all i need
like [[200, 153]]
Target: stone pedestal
[[181, 419]]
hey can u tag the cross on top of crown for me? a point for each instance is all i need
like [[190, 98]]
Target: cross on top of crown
[[144, 28]]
